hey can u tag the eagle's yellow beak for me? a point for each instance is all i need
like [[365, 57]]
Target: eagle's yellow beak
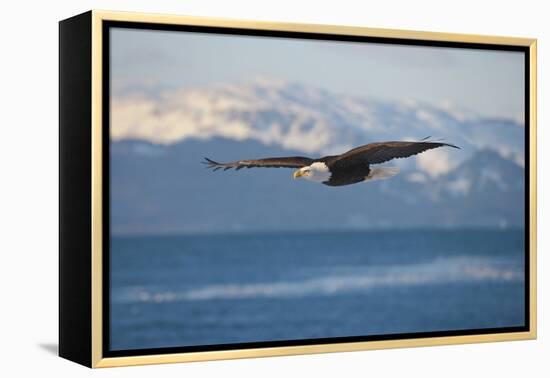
[[297, 174]]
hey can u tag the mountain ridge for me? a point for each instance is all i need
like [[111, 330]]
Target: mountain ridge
[[164, 189]]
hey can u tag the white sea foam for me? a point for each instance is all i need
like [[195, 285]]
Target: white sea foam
[[439, 271]]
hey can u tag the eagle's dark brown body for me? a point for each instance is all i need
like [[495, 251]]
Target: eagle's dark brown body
[[345, 172]]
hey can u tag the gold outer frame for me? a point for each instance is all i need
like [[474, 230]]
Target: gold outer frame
[[97, 213]]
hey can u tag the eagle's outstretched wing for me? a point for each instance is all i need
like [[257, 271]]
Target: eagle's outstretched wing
[[276, 162], [381, 152]]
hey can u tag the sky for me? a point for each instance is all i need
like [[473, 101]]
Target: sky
[[487, 82]]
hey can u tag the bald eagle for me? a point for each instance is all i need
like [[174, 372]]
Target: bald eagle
[[348, 168]]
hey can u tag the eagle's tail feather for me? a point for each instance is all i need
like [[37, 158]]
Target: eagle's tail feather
[[381, 173]]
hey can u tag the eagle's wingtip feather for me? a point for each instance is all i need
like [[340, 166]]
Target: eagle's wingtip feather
[[214, 165]]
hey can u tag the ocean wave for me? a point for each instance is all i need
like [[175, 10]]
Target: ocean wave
[[439, 271]]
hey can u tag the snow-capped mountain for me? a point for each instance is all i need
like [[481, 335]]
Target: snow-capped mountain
[[302, 118], [159, 139]]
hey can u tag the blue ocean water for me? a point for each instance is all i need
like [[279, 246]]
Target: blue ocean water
[[218, 289]]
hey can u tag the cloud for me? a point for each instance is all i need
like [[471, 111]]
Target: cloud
[[435, 162]]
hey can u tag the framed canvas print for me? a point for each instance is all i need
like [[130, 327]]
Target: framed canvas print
[[235, 189]]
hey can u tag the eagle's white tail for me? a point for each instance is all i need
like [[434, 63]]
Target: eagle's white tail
[[381, 173]]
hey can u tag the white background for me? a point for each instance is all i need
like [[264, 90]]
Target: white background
[[29, 189]]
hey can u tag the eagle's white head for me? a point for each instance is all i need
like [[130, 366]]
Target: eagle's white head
[[317, 172]]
